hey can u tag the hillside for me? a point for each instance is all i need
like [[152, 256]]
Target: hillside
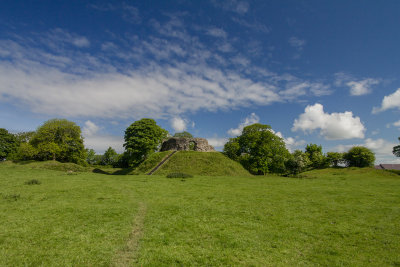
[[195, 163]]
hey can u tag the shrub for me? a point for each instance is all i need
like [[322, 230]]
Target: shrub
[[33, 182], [179, 175]]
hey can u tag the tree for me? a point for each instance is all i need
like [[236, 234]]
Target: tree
[[142, 138], [334, 158], [359, 156], [258, 149], [24, 137], [316, 157], [25, 151], [61, 140], [298, 162], [232, 149], [396, 150], [183, 134], [110, 157], [8, 144]]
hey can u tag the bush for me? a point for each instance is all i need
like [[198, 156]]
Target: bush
[[179, 175]]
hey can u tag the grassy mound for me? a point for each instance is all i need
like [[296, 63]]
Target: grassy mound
[[146, 166], [54, 165], [194, 163]]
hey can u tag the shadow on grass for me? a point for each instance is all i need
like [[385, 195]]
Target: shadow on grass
[[124, 171]]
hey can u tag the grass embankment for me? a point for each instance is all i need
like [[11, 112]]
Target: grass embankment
[[334, 217], [194, 163]]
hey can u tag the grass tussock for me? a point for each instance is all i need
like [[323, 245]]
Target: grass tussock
[[33, 182]]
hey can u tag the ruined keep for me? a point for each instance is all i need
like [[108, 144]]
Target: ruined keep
[[186, 144]]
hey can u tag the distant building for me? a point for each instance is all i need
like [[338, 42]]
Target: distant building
[[388, 167]]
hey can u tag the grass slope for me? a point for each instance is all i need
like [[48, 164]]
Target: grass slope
[[346, 217], [202, 163]]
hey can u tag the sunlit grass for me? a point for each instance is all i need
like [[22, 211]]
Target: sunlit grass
[[330, 217]]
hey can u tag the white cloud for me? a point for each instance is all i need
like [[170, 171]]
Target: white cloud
[[357, 87], [362, 87], [178, 124], [396, 124], [334, 126], [217, 142], [389, 102], [249, 120], [90, 128], [161, 76]]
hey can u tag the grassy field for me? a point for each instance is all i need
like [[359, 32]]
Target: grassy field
[[331, 217]]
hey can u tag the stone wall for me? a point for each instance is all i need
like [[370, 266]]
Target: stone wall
[[186, 144]]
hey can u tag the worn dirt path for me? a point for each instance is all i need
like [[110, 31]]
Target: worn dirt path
[[128, 256]]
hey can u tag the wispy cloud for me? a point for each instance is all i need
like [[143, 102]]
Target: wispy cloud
[[162, 75], [357, 87], [297, 43], [239, 7]]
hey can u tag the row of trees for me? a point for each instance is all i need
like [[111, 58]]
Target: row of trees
[[261, 151], [258, 148], [56, 139], [61, 140]]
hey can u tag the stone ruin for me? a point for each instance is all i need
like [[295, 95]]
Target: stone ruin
[[186, 144]]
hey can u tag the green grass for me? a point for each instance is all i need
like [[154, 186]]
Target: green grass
[[202, 163], [332, 217], [150, 163]]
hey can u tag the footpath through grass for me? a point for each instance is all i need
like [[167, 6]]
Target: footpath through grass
[[331, 217]]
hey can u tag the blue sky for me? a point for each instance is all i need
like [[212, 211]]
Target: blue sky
[[324, 72]]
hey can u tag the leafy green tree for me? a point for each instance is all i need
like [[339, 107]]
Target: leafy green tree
[[334, 158], [24, 137], [61, 140], [8, 143], [396, 150], [92, 158], [183, 134], [359, 156], [110, 157], [142, 138], [258, 149], [25, 151], [298, 162], [232, 149], [316, 157]]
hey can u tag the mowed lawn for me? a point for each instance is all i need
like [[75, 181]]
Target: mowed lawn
[[330, 217]]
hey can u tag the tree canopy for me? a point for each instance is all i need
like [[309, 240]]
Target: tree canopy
[[258, 149], [396, 150], [8, 143], [142, 138], [59, 139], [359, 156]]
